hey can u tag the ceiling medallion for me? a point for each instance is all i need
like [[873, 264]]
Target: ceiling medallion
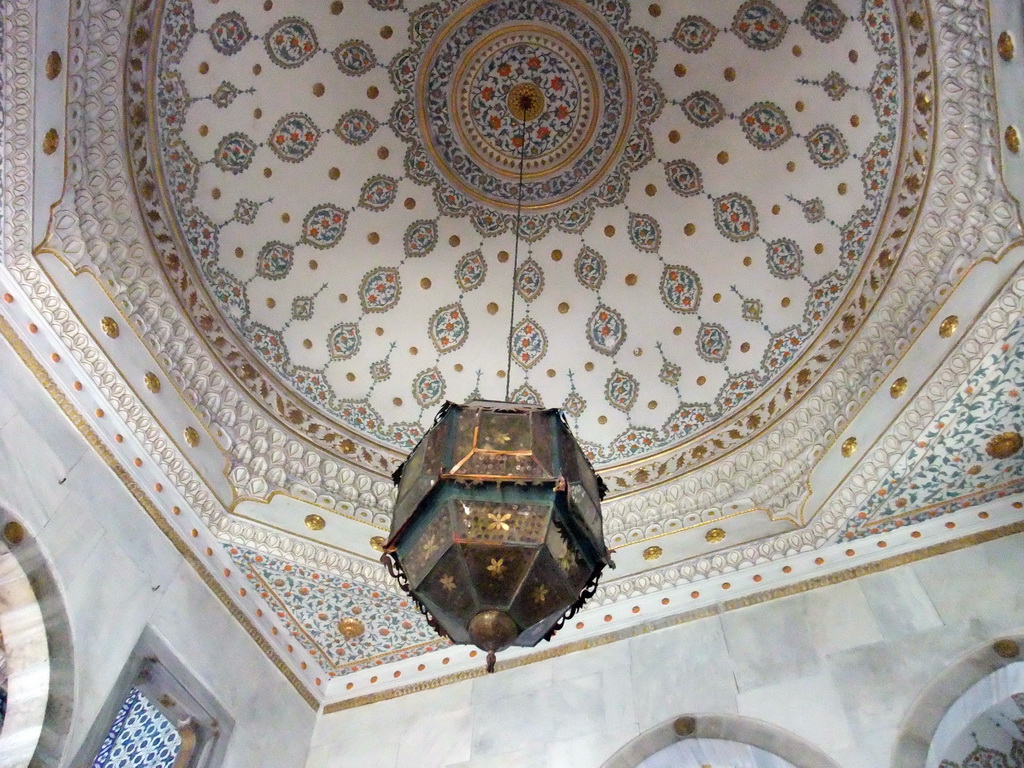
[[561, 67], [351, 628]]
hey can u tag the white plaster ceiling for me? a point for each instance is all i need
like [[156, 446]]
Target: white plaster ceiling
[[729, 470]]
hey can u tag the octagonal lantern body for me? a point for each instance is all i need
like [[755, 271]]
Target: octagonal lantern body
[[497, 529]]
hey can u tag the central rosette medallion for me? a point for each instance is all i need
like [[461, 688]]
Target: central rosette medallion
[[560, 83]]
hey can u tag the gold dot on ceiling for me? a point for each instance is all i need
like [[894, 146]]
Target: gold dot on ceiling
[[948, 326], [651, 190], [373, 237], [501, 374], [414, 350], [716, 298], [54, 64], [785, 301], [203, 68], [609, 231], [386, 32], [372, 92], [267, 173], [315, 522], [652, 404], [790, 166], [342, 297], [819, 248], [492, 308], [307, 343], [192, 436], [351, 628], [799, 106], [654, 9], [458, 367], [1006, 648], [776, 210], [745, 347], [797, 50], [334, 174], [714, 536], [337, 7], [425, 283], [268, 5], [729, 74], [841, 189], [379, 331], [1005, 445], [215, 193], [588, 367], [1004, 45], [377, 543], [673, 136], [702, 380], [257, 113], [203, 130], [152, 382], [14, 532], [652, 553], [256, 69], [563, 308], [397, 402], [551, 373], [689, 229], [350, 376], [638, 352], [853, 57], [602, 419], [319, 90], [383, 152], [502, 256], [50, 141], [286, 217], [1012, 138], [410, 203], [854, 120], [747, 261], [723, 157], [271, 303], [556, 255], [630, 279], [898, 387], [239, 253], [109, 326], [454, 241], [680, 70], [849, 447], [677, 330], [314, 264]]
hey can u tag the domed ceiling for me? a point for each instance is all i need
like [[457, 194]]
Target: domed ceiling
[[766, 262], [341, 182]]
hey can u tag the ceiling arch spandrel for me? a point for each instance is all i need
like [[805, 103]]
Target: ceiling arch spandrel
[[343, 241]]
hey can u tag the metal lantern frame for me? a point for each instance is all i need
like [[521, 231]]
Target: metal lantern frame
[[497, 533]]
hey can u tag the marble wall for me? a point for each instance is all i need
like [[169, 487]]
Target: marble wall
[[839, 666], [117, 574]]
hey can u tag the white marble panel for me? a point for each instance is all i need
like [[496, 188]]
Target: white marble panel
[[503, 723], [588, 751], [532, 755], [979, 582], [436, 738], [770, 642], [807, 706], [681, 669], [899, 602], [840, 618], [35, 459]]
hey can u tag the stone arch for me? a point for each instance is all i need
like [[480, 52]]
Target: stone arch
[[982, 686], [39, 659], [693, 740]]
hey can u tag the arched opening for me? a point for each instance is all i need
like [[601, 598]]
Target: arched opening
[[695, 741], [972, 714]]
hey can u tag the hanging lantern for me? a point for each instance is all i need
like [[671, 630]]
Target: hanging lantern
[[496, 532]]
